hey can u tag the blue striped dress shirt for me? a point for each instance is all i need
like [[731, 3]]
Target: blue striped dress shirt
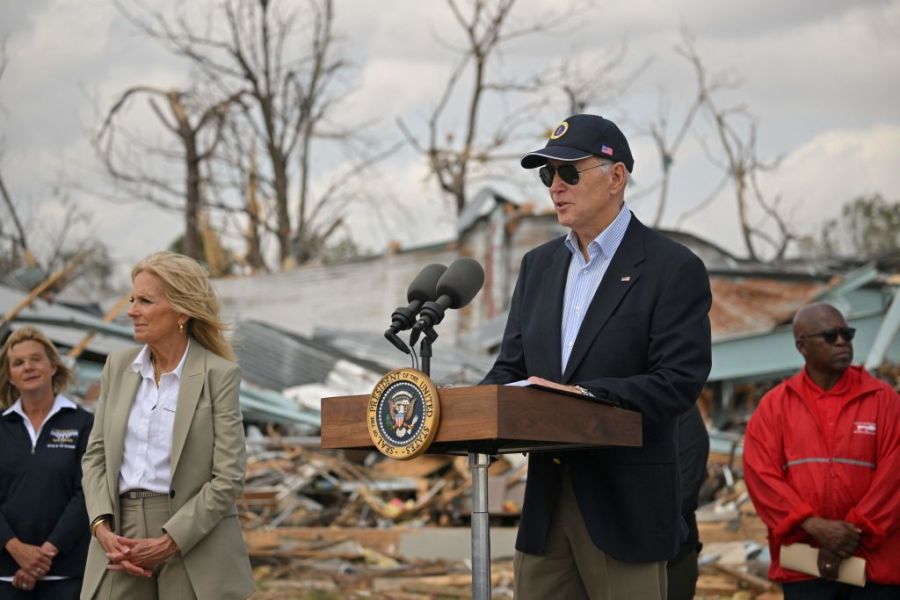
[[584, 277]]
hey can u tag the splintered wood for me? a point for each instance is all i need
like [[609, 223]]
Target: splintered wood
[[323, 525], [295, 486]]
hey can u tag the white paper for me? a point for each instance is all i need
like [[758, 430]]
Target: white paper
[[804, 558]]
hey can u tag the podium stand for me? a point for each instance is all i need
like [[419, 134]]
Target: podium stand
[[494, 419]]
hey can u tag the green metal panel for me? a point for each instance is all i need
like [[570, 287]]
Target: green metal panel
[[887, 334], [773, 353]]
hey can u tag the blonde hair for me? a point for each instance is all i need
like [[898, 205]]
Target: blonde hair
[[188, 290], [61, 379]]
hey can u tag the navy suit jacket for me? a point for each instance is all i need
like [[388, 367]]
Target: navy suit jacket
[[644, 345]]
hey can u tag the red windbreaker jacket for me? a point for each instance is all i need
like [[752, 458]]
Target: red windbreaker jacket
[[797, 467]]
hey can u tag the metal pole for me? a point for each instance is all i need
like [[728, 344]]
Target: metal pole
[[425, 352], [425, 356], [481, 534]]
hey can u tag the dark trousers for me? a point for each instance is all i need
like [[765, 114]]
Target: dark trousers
[[682, 572], [822, 589], [57, 589]]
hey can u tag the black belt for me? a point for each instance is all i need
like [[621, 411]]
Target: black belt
[[137, 494]]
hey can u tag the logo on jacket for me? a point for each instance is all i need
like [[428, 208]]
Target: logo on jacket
[[403, 414], [864, 427], [63, 438]]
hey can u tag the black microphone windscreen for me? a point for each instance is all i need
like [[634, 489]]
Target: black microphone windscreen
[[424, 286], [462, 280]]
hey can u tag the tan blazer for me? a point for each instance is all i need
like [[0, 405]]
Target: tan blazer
[[208, 460]]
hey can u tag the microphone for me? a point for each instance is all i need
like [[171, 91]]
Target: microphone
[[421, 290], [456, 288]]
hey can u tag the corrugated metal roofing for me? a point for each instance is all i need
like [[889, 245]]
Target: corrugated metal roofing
[[65, 326], [449, 365], [740, 305], [748, 305], [275, 359]]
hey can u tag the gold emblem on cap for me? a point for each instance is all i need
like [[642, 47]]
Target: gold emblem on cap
[[560, 130]]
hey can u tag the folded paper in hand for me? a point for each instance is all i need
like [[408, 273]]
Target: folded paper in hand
[[804, 558]]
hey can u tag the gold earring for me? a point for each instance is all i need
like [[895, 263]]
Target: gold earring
[[181, 327]]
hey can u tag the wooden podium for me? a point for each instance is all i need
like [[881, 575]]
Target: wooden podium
[[494, 419]]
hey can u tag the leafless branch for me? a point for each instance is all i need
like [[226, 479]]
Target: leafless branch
[[736, 131], [456, 155], [187, 129], [703, 204], [21, 239]]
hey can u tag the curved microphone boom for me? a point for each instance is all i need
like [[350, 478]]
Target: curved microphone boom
[[456, 288], [421, 290]]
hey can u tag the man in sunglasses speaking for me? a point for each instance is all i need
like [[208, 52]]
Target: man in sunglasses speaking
[[822, 464], [619, 313]]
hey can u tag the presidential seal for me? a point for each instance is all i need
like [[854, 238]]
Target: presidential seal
[[560, 130], [403, 414]]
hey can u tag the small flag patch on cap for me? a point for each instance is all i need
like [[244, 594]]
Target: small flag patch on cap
[[606, 150]]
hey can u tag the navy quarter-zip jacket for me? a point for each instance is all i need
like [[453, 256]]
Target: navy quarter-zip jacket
[[40, 489]]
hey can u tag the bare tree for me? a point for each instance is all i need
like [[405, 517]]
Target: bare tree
[[590, 84], [869, 226], [735, 130], [58, 240], [61, 235], [667, 148], [290, 96], [67, 235], [453, 153], [255, 218], [185, 118], [16, 237]]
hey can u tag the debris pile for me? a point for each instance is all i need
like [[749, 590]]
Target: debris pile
[[322, 524], [289, 485], [734, 562]]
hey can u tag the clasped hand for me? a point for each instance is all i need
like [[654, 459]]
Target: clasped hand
[[839, 537], [837, 540], [135, 556], [34, 562], [829, 564]]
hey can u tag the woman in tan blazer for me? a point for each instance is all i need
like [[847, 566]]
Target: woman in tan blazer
[[165, 460]]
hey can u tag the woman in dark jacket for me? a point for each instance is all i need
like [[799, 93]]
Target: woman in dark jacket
[[43, 522]]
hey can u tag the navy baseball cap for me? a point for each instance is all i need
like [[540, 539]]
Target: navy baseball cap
[[581, 136]]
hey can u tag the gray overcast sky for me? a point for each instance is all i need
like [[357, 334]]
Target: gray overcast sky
[[822, 77]]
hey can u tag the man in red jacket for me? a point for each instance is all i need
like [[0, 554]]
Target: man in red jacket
[[822, 464]]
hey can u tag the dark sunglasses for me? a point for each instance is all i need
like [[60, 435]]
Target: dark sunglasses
[[831, 335], [567, 172]]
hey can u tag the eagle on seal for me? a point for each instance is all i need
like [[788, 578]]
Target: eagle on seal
[[401, 407]]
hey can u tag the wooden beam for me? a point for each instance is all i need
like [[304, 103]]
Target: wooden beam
[[43, 287], [758, 584], [107, 318]]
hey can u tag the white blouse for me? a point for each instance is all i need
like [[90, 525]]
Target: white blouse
[[148, 440]]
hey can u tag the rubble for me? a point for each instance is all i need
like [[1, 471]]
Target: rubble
[[325, 524], [331, 524], [295, 486]]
